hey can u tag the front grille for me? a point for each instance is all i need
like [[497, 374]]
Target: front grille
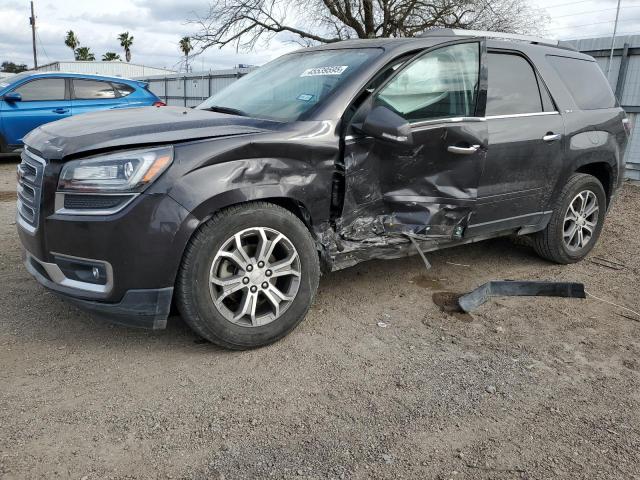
[[30, 174]]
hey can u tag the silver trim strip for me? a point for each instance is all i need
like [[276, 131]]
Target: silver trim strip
[[439, 121], [60, 210], [59, 278], [436, 121], [518, 115]]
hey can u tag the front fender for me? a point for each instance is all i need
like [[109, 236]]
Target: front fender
[[211, 188]]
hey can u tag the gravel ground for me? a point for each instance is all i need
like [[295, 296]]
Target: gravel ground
[[377, 382]]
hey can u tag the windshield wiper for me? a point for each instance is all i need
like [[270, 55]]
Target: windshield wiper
[[229, 110]]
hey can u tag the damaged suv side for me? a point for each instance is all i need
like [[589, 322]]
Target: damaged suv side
[[321, 159]]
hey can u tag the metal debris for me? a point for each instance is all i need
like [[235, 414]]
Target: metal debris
[[420, 252]]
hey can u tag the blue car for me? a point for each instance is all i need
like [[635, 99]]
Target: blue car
[[29, 100]]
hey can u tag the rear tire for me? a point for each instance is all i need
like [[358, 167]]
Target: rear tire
[[248, 276], [575, 225]]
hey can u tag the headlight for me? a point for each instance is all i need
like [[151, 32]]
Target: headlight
[[129, 171]]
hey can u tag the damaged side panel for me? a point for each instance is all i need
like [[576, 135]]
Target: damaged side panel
[[394, 191]]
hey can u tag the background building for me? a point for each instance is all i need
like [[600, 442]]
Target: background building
[[112, 69], [6, 75]]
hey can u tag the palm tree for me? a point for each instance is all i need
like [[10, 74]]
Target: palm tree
[[84, 54], [185, 46], [126, 41], [72, 41], [110, 57]]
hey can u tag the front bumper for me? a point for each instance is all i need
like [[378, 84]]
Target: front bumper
[[121, 265], [142, 308]]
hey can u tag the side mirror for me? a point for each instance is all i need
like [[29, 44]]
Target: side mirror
[[12, 97], [387, 125]]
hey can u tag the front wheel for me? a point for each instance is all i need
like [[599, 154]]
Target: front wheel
[[248, 276], [576, 222]]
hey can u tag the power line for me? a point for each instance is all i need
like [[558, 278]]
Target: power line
[[42, 46], [605, 35], [593, 11], [570, 3], [590, 24]]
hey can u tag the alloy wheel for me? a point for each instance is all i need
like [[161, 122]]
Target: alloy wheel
[[580, 220], [255, 276]]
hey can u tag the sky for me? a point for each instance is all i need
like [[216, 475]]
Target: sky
[[157, 26]]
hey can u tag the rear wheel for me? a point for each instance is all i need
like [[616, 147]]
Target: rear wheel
[[248, 276], [576, 221]]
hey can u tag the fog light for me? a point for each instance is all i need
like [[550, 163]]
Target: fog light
[[82, 270]]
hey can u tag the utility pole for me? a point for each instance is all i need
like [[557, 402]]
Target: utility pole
[[32, 20], [613, 39]]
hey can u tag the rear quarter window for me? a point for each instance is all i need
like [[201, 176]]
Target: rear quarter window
[[123, 89], [585, 81]]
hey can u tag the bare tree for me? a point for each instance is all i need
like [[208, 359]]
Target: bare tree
[[243, 23]]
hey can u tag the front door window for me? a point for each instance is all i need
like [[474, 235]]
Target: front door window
[[440, 84]]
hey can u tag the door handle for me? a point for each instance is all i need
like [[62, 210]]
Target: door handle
[[60, 110], [463, 150], [551, 137]]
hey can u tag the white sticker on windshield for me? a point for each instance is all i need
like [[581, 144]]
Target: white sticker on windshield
[[2, 85], [320, 71]]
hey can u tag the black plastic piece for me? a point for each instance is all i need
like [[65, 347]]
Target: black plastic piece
[[94, 202], [138, 308], [512, 288]]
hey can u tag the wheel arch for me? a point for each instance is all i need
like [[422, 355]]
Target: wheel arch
[[270, 194], [604, 172]]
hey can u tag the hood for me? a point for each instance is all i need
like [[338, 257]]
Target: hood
[[137, 126]]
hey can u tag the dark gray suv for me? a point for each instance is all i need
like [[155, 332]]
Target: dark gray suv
[[319, 160]]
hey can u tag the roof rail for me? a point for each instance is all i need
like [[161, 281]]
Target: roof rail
[[457, 32]]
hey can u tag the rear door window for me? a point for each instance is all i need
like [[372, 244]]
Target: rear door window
[[513, 86], [585, 81], [45, 89], [92, 90]]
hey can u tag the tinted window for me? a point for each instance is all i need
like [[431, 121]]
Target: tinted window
[[91, 89], [547, 102], [440, 84], [124, 89], [45, 89], [586, 82], [513, 87]]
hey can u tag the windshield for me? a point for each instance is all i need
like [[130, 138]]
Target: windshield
[[6, 81], [291, 85]]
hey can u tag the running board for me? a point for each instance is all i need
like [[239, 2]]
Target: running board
[[512, 288]]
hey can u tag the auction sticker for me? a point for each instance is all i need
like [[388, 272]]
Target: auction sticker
[[320, 71]]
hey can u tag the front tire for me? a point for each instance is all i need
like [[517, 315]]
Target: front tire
[[248, 276], [576, 222]]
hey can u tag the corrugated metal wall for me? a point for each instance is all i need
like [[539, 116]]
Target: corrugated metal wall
[[192, 89]]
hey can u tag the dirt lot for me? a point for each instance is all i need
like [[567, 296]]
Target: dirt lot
[[526, 388]]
